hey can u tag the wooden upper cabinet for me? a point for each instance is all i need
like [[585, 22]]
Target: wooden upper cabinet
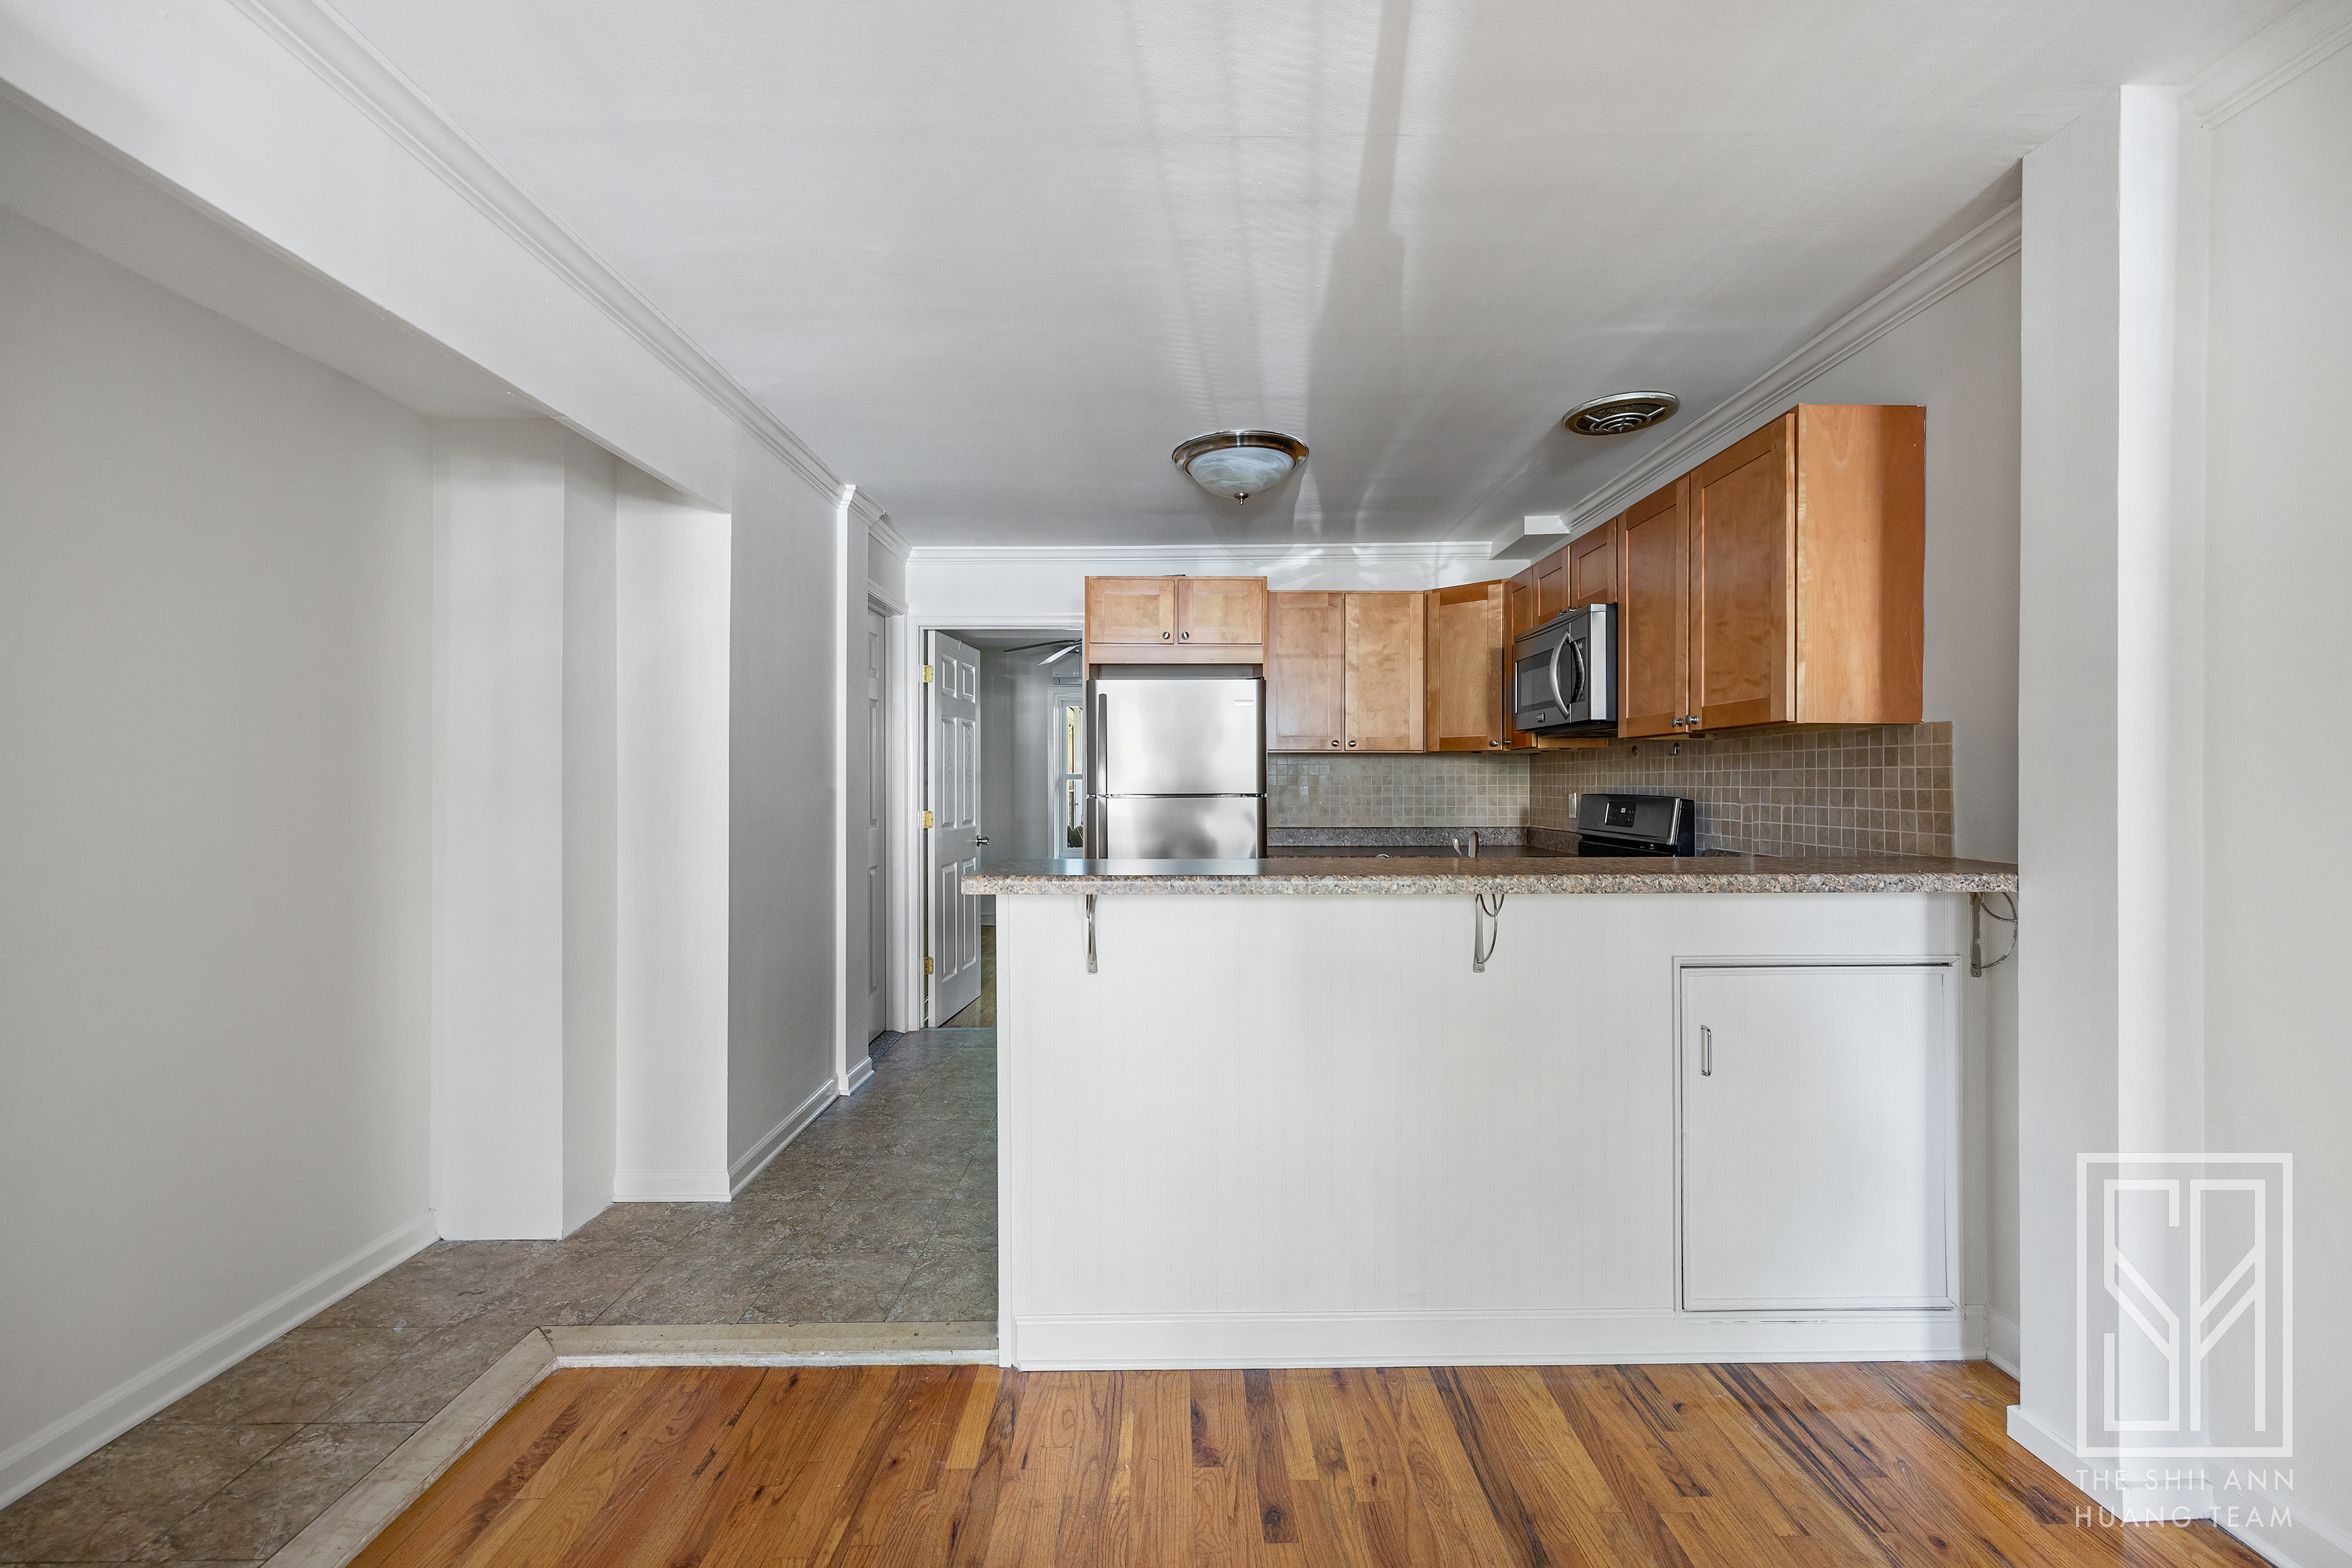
[[1744, 532], [1306, 671], [1654, 632], [1175, 620], [1807, 543], [1594, 574], [1132, 609], [1387, 688], [1468, 629], [1344, 672], [1553, 577], [1220, 610], [1519, 617]]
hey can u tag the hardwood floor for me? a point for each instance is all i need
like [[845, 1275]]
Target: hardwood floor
[[1692, 1467]]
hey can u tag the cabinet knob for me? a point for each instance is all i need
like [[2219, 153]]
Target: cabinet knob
[[1163, 637], [1351, 745], [1335, 742], [1184, 636]]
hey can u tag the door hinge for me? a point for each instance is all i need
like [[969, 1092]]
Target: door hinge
[[927, 819], [927, 963], [927, 675]]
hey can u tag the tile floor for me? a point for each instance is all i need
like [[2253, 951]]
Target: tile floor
[[882, 1210]]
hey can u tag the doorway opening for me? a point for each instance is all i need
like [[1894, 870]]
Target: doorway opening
[[1004, 771]]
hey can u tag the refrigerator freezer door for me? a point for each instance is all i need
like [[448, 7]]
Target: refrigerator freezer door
[[1178, 737], [1179, 827]]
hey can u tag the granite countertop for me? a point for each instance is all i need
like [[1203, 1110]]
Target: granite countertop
[[1450, 874]]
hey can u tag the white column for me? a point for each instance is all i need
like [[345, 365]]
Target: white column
[[2110, 704], [524, 804]]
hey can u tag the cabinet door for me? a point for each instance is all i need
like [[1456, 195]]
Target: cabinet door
[[1593, 577], [1130, 609], [1743, 534], [1220, 611], [1387, 693], [1555, 575], [1817, 1130], [1654, 615], [1518, 615], [1465, 668], [1306, 671]]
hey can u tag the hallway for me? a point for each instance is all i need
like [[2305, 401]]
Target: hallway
[[882, 1210]]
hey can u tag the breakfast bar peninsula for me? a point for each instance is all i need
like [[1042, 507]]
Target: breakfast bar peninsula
[[1347, 1111]]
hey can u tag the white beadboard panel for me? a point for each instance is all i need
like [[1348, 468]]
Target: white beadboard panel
[[1271, 1109]]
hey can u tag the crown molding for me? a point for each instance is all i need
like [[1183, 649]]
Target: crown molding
[[1963, 261], [879, 532], [2268, 61], [1474, 550], [322, 40]]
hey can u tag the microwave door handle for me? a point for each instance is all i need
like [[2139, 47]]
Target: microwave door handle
[[1575, 651], [1559, 698]]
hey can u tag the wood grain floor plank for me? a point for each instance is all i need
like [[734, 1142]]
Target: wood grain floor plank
[[1892, 1466]]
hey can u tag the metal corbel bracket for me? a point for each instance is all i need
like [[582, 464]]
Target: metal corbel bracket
[[1486, 930]]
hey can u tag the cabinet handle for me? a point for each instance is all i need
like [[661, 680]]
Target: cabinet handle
[[1184, 636], [1335, 742], [1706, 1051], [1351, 745], [1163, 637]]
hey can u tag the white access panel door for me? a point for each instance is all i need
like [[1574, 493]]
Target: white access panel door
[[1817, 1108], [952, 744]]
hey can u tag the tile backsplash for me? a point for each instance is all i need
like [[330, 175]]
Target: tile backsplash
[[1883, 788], [1444, 789]]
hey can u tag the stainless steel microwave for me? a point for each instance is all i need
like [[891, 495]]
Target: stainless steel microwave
[[1564, 674]]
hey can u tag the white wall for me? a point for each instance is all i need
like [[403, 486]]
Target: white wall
[[2277, 557], [789, 648], [985, 586], [671, 979], [1959, 358], [215, 689], [2185, 346]]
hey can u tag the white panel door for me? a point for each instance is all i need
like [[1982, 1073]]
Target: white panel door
[[953, 700], [1817, 1110], [877, 838]]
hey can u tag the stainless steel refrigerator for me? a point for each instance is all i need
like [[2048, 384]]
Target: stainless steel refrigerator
[[1176, 768]]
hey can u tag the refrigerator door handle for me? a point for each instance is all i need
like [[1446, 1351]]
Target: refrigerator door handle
[[1099, 746]]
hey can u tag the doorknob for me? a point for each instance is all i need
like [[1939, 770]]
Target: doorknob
[[980, 841]]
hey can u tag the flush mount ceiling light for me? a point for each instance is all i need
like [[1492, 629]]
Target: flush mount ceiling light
[[1239, 464], [1621, 412]]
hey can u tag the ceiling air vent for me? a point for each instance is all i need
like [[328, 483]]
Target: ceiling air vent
[[1621, 412]]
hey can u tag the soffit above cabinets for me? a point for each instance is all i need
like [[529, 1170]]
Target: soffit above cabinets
[[992, 262]]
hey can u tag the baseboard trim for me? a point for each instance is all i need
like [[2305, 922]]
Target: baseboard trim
[[1104, 1342], [771, 1143], [2283, 1532], [670, 1187], [2004, 1343], [858, 1073], [2304, 1541], [123, 1407]]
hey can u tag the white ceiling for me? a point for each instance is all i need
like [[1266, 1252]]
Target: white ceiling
[[993, 261]]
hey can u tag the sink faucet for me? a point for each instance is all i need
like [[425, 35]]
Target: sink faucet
[[1472, 853]]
